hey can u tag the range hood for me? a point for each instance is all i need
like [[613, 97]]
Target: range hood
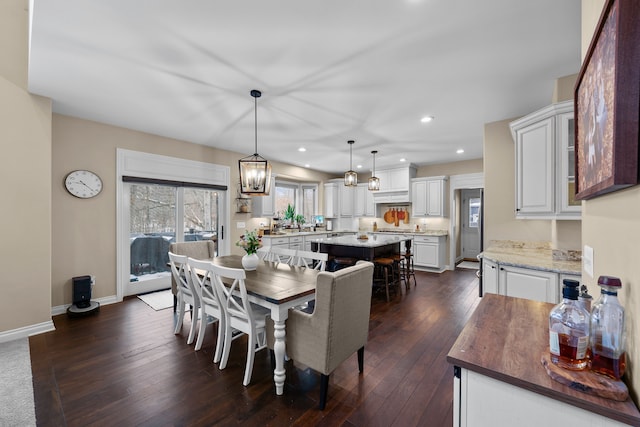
[[395, 185]]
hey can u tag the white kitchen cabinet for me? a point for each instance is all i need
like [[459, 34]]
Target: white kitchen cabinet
[[544, 164], [268, 241], [395, 185], [347, 196], [479, 400], [309, 238], [427, 196], [489, 277], [428, 251], [264, 206], [331, 200], [296, 242], [527, 283], [363, 203]]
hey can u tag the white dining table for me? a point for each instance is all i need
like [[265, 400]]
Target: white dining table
[[278, 287]]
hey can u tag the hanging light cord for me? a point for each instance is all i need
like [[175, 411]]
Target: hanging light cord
[[255, 123]]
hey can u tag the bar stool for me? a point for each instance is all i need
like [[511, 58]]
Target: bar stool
[[385, 266], [342, 262], [408, 270]]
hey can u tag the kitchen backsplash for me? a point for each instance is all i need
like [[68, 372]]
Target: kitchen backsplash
[[366, 224]]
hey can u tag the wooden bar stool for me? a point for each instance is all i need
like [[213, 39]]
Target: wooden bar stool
[[408, 270], [343, 262], [385, 266]]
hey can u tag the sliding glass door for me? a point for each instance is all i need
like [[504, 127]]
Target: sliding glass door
[[155, 212]]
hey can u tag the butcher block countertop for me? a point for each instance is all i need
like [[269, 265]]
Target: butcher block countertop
[[504, 340]]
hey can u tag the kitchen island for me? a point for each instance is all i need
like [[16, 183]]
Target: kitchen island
[[361, 249], [501, 381]]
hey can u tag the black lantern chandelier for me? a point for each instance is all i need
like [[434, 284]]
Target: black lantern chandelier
[[255, 171], [350, 177], [374, 181]]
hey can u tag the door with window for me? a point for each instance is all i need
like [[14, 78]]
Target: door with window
[[155, 213], [471, 223]]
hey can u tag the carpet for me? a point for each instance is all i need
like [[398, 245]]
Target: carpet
[[470, 265], [16, 391], [159, 300]]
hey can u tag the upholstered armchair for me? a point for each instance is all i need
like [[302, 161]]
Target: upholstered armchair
[[338, 326], [200, 249]]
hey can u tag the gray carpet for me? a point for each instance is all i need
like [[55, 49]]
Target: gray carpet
[[17, 406]]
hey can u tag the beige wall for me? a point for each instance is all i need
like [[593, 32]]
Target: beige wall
[[611, 226], [25, 182], [84, 231], [453, 168]]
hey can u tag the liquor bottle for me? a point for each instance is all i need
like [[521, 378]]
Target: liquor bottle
[[607, 330], [569, 330]]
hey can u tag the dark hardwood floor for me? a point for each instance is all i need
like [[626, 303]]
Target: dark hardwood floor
[[124, 366]]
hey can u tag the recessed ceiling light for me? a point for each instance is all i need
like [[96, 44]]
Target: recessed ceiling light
[[426, 119], [459, 151], [358, 166], [307, 165], [403, 159], [302, 149]]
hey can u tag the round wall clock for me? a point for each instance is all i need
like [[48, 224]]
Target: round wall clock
[[83, 184]]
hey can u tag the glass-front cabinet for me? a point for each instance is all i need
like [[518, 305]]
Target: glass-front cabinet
[[567, 202]]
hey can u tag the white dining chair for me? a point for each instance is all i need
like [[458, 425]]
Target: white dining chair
[[185, 292], [314, 260], [282, 255], [210, 307], [240, 315]]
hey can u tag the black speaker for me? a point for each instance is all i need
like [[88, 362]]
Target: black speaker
[[82, 291]]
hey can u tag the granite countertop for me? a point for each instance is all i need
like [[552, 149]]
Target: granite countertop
[[536, 256], [495, 343], [408, 232], [372, 241]]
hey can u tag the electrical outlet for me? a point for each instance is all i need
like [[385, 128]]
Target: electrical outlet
[[587, 260], [240, 224]]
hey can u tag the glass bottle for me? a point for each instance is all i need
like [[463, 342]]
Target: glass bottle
[[607, 330], [569, 330]]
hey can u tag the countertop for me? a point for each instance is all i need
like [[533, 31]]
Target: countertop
[[403, 232], [505, 338], [373, 241], [536, 257]]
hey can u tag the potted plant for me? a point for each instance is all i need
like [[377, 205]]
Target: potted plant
[[290, 214], [300, 220], [250, 242]]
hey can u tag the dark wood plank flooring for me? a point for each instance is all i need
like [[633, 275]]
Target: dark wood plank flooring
[[124, 366]]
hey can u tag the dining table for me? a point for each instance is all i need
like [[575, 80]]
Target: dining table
[[278, 287]]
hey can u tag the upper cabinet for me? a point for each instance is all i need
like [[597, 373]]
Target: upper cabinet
[[264, 206], [331, 200], [544, 142], [427, 196], [395, 185], [363, 201]]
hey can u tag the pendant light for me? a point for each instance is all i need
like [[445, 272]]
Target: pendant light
[[374, 181], [255, 171], [350, 177]]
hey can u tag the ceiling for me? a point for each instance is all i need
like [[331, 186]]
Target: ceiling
[[329, 71]]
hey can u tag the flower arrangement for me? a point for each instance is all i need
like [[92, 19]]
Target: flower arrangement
[[250, 242]]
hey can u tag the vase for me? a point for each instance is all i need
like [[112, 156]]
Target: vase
[[250, 262]]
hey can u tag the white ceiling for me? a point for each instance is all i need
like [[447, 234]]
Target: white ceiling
[[329, 71]]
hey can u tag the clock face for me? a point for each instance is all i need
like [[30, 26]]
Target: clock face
[[83, 184]]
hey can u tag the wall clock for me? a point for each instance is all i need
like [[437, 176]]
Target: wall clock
[[83, 184]]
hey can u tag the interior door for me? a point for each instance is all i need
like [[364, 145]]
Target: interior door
[[471, 223]]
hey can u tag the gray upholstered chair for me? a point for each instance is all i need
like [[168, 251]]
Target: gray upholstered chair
[[338, 326], [201, 249]]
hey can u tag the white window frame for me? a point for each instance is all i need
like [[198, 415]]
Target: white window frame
[[299, 186]]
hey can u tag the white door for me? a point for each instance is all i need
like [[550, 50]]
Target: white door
[[471, 223]]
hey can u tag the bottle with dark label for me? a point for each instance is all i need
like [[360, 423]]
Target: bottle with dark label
[[569, 330], [607, 330]]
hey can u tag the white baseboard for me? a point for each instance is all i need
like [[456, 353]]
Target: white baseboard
[[27, 331], [62, 309]]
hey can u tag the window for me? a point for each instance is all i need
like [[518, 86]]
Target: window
[[303, 196], [474, 212]]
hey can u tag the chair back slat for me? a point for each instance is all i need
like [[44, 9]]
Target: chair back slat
[[315, 260]]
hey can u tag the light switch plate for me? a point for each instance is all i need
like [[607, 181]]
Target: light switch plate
[[587, 260], [240, 224]]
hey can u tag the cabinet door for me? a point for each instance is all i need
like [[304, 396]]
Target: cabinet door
[[435, 201], [369, 203], [567, 204], [419, 198], [399, 179], [535, 162], [489, 277], [360, 200], [385, 181], [331, 200], [526, 283], [264, 206], [425, 254], [346, 200]]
